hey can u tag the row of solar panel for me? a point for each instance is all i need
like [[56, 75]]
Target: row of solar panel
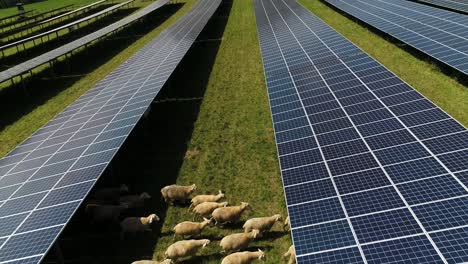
[[363, 178], [440, 34], [459, 5], [53, 54], [30, 224]]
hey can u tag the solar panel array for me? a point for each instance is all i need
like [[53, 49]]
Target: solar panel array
[[440, 34], [53, 54], [459, 5], [44, 179], [373, 172], [71, 24], [92, 5]]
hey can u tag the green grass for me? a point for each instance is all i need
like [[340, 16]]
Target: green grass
[[232, 146], [424, 76], [17, 132], [43, 6]]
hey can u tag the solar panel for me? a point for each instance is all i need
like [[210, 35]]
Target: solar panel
[[44, 179], [373, 172], [459, 5], [56, 30], [441, 34], [53, 54]]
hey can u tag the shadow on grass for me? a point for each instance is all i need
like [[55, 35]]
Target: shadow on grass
[[17, 101], [151, 157], [444, 68]]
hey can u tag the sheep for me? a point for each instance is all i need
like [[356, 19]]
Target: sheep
[[236, 242], [229, 214], [245, 257], [190, 228], [137, 224], [166, 261], [206, 198], [262, 224], [205, 209], [174, 192], [287, 224], [110, 194], [291, 254], [134, 201], [104, 213], [185, 248]]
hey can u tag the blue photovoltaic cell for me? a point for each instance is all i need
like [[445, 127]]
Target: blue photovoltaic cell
[[406, 250], [438, 33], [315, 212], [384, 149], [444, 214], [323, 237], [453, 244], [385, 225], [47, 176], [342, 256]]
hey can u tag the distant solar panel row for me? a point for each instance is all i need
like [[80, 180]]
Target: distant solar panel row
[[373, 171], [53, 54], [440, 34], [459, 5], [44, 179], [76, 22]]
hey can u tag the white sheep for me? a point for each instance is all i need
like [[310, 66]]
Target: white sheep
[[245, 257], [287, 224], [135, 225], [180, 193], [205, 209], [166, 261], [262, 224], [134, 201], [104, 213], [185, 248], [206, 198], [111, 194], [236, 242], [291, 254], [190, 228], [229, 214]]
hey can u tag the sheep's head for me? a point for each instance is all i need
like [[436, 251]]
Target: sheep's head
[[261, 254], [255, 233], [152, 218], [278, 217], [145, 196], [245, 205], [205, 242], [123, 188], [220, 194], [193, 188]]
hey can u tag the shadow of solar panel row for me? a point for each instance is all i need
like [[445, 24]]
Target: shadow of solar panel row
[[40, 191], [441, 34], [53, 54], [71, 24], [373, 171], [459, 5]]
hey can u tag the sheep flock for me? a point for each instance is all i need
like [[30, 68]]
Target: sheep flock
[[108, 204]]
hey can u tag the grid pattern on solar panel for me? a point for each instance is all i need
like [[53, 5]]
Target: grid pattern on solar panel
[[441, 34], [53, 54], [459, 5], [44, 179], [378, 168]]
